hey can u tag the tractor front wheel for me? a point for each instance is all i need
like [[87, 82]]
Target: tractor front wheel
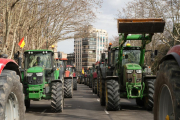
[[68, 88], [90, 82], [57, 97], [12, 97], [27, 104], [112, 95], [148, 100], [75, 84], [167, 91]]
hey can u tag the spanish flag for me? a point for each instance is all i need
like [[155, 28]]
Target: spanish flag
[[82, 70], [21, 43]]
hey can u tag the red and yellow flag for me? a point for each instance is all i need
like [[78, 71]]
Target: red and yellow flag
[[82, 70], [21, 43]]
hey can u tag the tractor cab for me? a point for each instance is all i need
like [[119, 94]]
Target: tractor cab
[[39, 64]]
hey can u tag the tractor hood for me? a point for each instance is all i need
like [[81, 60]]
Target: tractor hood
[[35, 69], [133, 66]]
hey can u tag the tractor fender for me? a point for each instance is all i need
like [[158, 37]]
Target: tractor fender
[[94, 75], [149, 77], [112, 77], [169, 56], [9, 64], [68, 77], [59, 80]]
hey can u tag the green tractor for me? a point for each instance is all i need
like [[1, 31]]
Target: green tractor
[[42, 79], [125, 75]]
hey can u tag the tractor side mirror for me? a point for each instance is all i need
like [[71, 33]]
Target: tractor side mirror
[[103, 57], [16, 55], [59, 55], [19, 61], [126, 56], [38, 60], [155, 52]]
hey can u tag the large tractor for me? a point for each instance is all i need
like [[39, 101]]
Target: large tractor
[[167, 87], [126, 76], [11, 90], [41, 79]]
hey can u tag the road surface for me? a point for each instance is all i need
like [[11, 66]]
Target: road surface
[[85, 106]]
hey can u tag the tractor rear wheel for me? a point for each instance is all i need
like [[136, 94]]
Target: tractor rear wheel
[[57, 97], [68, 88], [12, 97], [112, 95], [167, 91], [102, 95], [148, 100], [95, 86], [75, 84]]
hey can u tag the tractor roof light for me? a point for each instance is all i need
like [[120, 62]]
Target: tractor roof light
[[128, 45], [110, 44], [52, 46]]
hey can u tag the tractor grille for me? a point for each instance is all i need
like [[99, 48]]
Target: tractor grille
[[34, 79]]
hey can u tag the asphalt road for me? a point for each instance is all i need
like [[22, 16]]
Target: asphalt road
[[85, 106]]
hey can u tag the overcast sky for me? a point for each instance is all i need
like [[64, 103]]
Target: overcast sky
[[105, 20]]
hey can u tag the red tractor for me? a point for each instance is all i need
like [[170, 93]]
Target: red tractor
[[167, 87], [11, 90]]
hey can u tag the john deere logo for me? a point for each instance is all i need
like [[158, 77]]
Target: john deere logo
[[34, 78], [134, 75]]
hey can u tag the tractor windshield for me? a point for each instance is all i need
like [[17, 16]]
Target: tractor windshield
[[38, 59], [131, 56], [70, 69]]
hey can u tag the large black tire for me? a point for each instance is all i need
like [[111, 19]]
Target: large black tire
[[98, 87], [27, 103], [167, 91], [74, 84], [112, 95], [57, 97], [85, 81], [95, 86], [148, 100], [11, 89], [90, 82], [102, 93], [68, 88]]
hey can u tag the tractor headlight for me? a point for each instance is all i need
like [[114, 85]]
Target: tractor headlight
[[29, 74], [129, 71], [39, 74], [138, 71]]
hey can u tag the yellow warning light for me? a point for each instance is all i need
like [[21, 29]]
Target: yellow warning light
[[110, 44], [52, 46], [128, 45], [167, 117]]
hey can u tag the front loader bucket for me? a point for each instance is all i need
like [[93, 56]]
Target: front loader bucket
[[140, 26]]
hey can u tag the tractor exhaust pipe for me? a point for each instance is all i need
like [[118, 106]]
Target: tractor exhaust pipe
[[109, 54], [19, 61]]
